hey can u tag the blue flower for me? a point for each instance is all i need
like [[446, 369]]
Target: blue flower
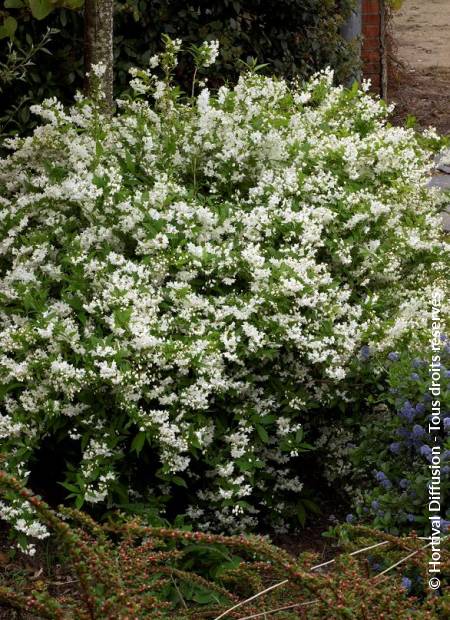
[[420, 407], [376, 567], [403, 432], [365, 352], [417, 363], [411, 518], [445, 525], [415, 376], [375, 504], [446, 470], [446, 422], [443, 337], [393, 356], [403, 484], [407, 411], [395, 447], [425, 450], [446, 455], [406, 583], [349, 518], [447, 374], [418, 431]]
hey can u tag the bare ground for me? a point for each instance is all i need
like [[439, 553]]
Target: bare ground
[[419, 71]]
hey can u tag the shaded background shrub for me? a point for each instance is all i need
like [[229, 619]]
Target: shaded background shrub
[[295, 38]]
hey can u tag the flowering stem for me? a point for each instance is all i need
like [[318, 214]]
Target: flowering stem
[[193, 82]]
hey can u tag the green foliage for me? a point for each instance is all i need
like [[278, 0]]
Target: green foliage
[[395, 5], [19, 60], [294, 37], [128, 570], [40, 9], [56, 68], [394, 444], [381, 447], [8, 28]]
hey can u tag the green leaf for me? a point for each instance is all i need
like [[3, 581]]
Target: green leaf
[[73, 4], [263, 435], [9, 387], [244, 464], [41, 8], [227, 566], [8, 28], [179, 481], [79, 502], [355, 88], [14, 4], [312, 506], [301, 514], [204, 598], [305, 447], [70, 487], [138, 442]]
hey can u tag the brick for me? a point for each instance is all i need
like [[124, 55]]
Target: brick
[[368, 55], [371, 53], [371, 7], [371, 20], [371, 30], [375, 78], [371, 44], [371, 39], [371, 67]]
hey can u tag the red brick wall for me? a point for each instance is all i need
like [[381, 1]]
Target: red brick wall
[[373, 51]]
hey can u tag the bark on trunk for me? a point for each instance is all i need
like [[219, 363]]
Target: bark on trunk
[[98, 45]]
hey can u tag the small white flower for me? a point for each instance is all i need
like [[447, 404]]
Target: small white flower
[[154, 61]]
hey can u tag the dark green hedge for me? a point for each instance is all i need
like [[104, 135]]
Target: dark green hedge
[[295, 37]]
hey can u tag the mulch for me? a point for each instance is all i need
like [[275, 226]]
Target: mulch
[[422, 93]]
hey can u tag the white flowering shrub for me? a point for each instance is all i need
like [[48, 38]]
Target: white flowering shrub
[[183, 283]]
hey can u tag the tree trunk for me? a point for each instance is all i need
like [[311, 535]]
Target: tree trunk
[[98, 46]]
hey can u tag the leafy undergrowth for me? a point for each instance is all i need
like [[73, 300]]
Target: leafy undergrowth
[[127, 570]]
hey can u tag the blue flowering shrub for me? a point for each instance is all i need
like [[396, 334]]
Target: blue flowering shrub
[[185, 283], [395, 443]]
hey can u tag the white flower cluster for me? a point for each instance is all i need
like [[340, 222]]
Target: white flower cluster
[[210, 52], [188, 285], [24, 520]]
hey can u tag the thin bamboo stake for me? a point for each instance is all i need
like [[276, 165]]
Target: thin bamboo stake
[[385, 542], [282, 583], [252, 598], [401, 561], [274, 611]]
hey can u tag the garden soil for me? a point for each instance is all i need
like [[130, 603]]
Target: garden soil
[[419, 67]]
